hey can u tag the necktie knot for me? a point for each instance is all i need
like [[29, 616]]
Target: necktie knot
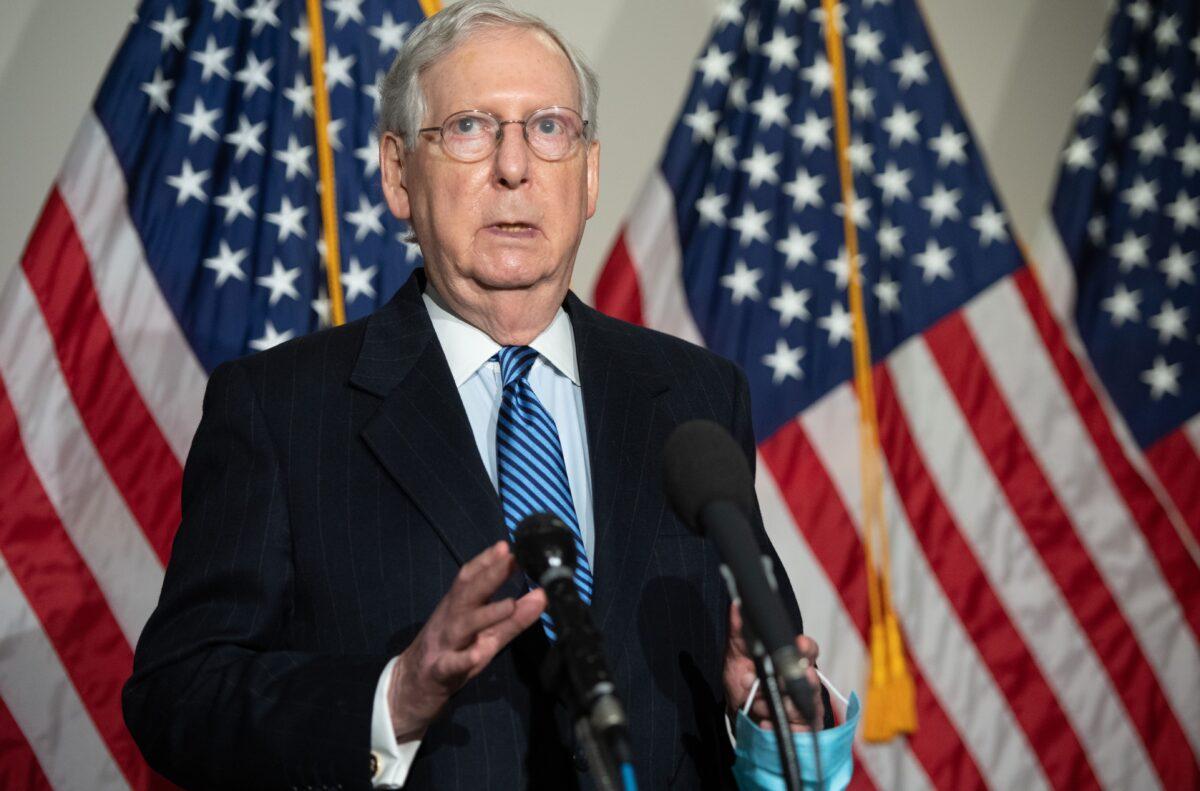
[[515, 362]]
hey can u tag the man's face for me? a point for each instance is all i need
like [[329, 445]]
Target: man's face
[[511, 220]]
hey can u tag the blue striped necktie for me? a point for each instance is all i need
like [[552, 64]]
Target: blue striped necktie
[[529, 462]]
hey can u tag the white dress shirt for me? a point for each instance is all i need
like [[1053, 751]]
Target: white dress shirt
[[554, 378]]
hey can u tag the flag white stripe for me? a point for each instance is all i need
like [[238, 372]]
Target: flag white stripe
[[654, 247], [58, 447], [1052, 429], [937, 640], [158, 356], [1054, 271], [1016, 572], [843, 653], [43, 702], [832, 427]]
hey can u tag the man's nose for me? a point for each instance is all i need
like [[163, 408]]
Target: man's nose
[[512, 155]]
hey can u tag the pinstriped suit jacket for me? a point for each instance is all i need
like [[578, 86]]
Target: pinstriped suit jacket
[[332, 492]]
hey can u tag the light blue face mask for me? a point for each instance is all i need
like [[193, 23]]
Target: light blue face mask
[[758, 766]]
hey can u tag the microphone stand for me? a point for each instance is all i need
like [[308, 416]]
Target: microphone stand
[[576, 666], [601, 755], [599, 729], [600, 726]]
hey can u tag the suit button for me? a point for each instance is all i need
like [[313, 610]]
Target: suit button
[[581, 764]]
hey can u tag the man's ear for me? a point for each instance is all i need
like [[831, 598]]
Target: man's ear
[[394, 174], [593, 176]]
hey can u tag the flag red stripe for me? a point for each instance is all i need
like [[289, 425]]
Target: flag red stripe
[[860, 780], [123, 430], [818, 512], [1176, 564], [63, 593], [967, 588], [1175, 462], [20, 767], [1046, 523], [617, 291]]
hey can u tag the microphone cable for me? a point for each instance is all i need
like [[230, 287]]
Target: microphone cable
[[783, 731]]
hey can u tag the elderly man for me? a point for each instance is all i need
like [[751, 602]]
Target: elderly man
[[341, 606]]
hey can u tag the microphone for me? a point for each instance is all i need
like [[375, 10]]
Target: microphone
[[709, 485], [545, 550]]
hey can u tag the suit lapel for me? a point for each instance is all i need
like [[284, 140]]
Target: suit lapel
[[619, 391], [420, 433]]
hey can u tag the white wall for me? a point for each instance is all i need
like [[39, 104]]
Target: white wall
[[1018, 66]]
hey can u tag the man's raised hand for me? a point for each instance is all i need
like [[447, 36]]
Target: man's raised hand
[[458, 641]]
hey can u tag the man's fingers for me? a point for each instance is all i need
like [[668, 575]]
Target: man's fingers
[[737, 644], [468, 655], [760, 712], [489, 641], [735, 618], [808, 647], [463, 629], [480, 577], [530, 607], [526, 611]]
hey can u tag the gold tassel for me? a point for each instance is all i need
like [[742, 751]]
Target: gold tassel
[[876, 722], [901, 694], [890, 707]]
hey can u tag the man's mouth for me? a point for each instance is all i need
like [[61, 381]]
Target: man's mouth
[[513, 230]]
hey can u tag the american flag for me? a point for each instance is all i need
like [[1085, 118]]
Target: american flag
[[1049, 606], [183, 230], [1127, 225]]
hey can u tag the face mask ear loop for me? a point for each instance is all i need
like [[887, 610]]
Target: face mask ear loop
[[829, 684], [750, 697]]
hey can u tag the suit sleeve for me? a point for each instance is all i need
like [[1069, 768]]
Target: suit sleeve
[[743, 432], [217, 699]]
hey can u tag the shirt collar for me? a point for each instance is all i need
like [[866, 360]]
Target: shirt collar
[[467, 347]]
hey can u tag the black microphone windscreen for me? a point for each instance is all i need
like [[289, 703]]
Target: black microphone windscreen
[[540, 537], [703, 463]]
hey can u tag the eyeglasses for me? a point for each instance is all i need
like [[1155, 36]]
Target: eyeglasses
[[552, 133]]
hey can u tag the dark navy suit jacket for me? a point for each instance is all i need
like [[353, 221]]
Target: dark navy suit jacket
[[331, 494]]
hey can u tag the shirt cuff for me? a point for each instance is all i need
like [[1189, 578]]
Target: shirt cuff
[[390, 759]]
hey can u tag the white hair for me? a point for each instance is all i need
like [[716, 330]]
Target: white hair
[[402, 102]]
